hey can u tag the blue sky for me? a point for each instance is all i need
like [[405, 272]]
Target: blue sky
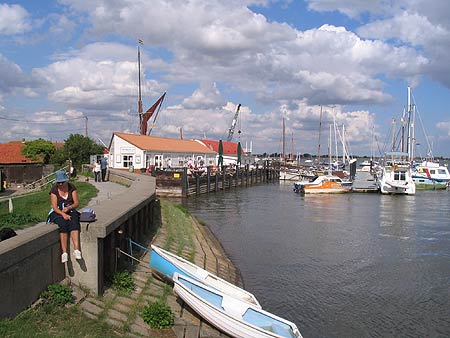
[[63, 61]]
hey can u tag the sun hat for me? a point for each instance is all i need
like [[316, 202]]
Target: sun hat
[[61, 176]]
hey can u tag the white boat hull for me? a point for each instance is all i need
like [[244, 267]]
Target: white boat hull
[[227, 313], [167, 263]]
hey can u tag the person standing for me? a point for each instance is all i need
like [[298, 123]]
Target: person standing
[[64, 201], [97, 171], [104, 166]]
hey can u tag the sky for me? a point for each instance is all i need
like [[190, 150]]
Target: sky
[[68, 64]]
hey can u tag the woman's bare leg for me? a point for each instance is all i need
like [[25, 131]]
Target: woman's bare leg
[[63, 237], [75, 235]]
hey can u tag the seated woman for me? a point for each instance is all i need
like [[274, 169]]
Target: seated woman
[[64, 200]]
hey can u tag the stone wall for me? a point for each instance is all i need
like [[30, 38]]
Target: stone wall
[[30, 261]]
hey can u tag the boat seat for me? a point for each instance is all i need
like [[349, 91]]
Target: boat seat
[[201, 273], [233, 306]]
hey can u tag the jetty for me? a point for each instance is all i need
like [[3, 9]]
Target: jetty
[[364, 182]]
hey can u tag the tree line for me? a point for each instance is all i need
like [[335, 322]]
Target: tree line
[[76, 147]]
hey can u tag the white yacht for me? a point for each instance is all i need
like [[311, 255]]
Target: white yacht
[[395, 176]]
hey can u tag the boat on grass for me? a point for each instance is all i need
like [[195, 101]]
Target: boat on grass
[[231, 315], [326, 184], [167, 264]]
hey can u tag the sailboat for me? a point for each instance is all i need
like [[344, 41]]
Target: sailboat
[[288, 171], [395, 176], [145, 117], [429, 174], [324, 184]]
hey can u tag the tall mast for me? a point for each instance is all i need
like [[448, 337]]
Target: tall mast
[[140, 97], [320, 130], [329, 154], [284, 143]]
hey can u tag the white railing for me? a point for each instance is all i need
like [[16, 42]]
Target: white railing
[[42, 182]]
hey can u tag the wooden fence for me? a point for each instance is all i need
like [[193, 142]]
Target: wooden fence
[[184, 184]]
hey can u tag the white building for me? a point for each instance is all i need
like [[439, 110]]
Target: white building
[[143, 152]]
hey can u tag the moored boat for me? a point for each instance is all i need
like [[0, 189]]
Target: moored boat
[[231, 315], [395, 176], [431, 176], [167, 263], [326, 184]]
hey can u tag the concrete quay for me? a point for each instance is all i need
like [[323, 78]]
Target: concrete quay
[[124, 312]]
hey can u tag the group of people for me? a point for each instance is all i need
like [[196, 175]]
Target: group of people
[[100, 170]]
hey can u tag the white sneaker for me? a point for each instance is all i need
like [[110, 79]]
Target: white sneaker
[[64, 257], [77, 254]]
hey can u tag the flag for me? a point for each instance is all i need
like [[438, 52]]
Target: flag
[[141, 41], [148, 114]]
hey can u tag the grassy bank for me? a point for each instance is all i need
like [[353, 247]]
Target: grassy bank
[[33, 208], [70, 322]]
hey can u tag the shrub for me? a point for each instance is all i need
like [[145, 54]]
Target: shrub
[[58, 294], [158, 315], [123, 282]]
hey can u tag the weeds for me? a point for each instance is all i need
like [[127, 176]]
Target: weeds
[[123, 282], [158, 315]]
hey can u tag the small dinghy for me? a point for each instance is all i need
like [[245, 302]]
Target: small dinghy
[[231, 315], [166, 264]]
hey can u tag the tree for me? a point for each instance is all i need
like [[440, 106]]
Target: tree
[[39, 148], [79, 149]]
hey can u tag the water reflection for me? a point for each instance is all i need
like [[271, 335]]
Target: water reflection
[[354, 265]]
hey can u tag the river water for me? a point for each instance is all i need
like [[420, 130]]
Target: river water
[[351, 265]]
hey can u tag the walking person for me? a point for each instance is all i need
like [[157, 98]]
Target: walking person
[[104, 166], [64, 200], [97, 171]]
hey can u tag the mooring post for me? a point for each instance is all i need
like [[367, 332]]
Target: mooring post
[[208, 182], [184, 183]]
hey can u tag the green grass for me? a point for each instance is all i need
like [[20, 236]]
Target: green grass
[[44, 321], [33, 208], [179, 227], [59, 322]]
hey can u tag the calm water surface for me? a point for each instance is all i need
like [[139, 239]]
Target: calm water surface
[[353, 265]]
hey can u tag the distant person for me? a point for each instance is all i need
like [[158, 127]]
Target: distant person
[[97, 171], [3, 181], [64, 200], [73, 171], [104, 166]]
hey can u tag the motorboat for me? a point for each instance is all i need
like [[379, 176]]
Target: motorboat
[[431, 176], [325, 184], [395, 176]]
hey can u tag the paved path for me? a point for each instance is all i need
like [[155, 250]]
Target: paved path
[[124, 311]]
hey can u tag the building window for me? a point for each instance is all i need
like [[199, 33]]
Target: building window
[[127, 161]]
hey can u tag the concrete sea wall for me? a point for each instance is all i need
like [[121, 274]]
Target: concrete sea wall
[[30, 261]]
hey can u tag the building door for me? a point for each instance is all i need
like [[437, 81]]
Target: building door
[[147, 161], [158, 161]]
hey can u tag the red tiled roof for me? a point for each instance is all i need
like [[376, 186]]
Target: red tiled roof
[[11, 153], [165, 144], [229, 148]]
